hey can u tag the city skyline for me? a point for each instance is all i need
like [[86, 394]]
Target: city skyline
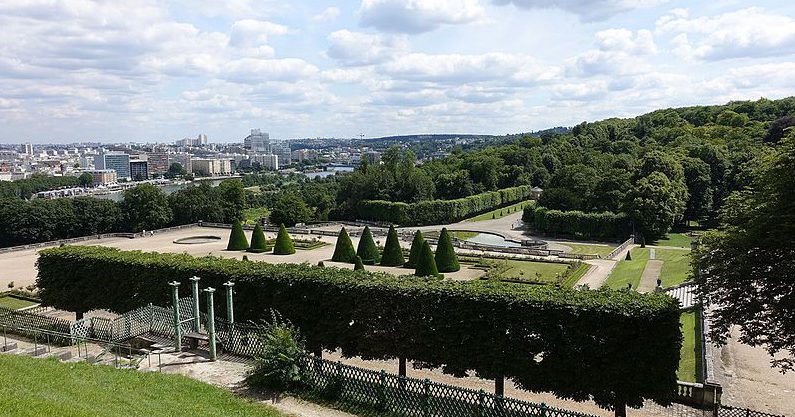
[[143, 71]]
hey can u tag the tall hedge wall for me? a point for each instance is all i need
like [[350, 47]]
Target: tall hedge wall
[[605, 225], [612, 346], [439, 211]]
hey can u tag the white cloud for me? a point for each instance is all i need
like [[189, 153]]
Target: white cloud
[[256, 71], [356, 48], [617, 53], [253, 33], [327, 15], [418, 16], [587, 10], [458, 68], [623, 40], [747, 33]]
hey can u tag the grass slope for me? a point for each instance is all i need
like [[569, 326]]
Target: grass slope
[[527, 270], [35, 387], [676, 266], [629, 271], [252, 215], [495, 214], [690, 355], [585, 249], [678, 240], [14, 303]]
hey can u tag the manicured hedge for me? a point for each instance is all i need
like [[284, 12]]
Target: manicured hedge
[[605, 225], [612, 346], [439, 211]]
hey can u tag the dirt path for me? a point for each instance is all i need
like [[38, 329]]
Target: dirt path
[[650, 274]]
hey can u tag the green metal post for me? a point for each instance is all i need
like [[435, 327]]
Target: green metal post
[[230, 311], [211, 322], [426, 398], [194, 283], [175, 301]]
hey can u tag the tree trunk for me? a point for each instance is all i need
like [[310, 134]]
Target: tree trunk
[[621, 409], [318, 352], [499, 386], [402, 367]]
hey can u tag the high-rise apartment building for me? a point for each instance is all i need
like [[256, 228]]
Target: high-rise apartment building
[[281, 149], [139, 170], [118, 161], [158, 162], [257, 142]]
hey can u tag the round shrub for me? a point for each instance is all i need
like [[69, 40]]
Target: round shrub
[[258, 242], [446, 259], [284, 244], [237, 239], [393, 253], [343, 251]]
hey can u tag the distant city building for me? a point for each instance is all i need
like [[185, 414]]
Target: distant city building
[[28, 149], [183, 159], [158, 162], [212, 167], [270, 161], [282, 150], [103, 176], [257, 142], [139, 170], [372, 157], [200, 140], [8, 155], [118, 161], [304, 154]]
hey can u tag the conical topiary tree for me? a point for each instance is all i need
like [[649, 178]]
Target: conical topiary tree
[[343, 251], [426, 265], [237, 239], [357, 264], [284, 244], [367, 249], [416, 248], [446, 259], [629, 255], [393, 254], [258, 242]]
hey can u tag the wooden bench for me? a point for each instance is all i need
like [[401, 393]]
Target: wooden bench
[[194, 338]]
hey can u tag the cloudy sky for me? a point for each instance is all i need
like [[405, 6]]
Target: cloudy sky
[[74, 70]]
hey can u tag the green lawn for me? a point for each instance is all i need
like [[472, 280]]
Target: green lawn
[[585, 249], [500, 212], [676, 266], [14, 303], [39, 387], [540, 272], [252, 215], [629, 271], [690, 355], [679, 240], [463, 235]]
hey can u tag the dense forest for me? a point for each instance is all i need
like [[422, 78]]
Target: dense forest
[[644, 174]]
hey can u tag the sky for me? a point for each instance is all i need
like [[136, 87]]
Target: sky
[[140, 70]]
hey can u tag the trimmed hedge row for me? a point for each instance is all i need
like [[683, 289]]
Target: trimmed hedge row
[[612, 346], [605, 225], [439, 211]]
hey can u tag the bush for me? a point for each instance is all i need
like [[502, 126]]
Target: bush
[[446, 259], [416, 248], [258, 242], [605, 225], [426, 265], [358, 265], [587, 335], [629, 255], [284, 244], [321, 264], [367, 249], [439, 211], [393, 253], [237, 239], [277, 367], [343, 251]]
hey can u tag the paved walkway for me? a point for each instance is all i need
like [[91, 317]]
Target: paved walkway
[[600, 270], [648, 281]]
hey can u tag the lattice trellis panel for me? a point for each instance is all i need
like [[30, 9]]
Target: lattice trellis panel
[[26, 324], [727, 411]]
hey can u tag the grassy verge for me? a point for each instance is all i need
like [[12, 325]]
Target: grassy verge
[[690, 355], [14, 303], [252, 215], [676, 266], [576, 274], [629, 272], [47, 387], [585, 249], [500, 212], [677, 240]]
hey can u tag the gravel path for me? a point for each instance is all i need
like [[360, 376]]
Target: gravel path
[[650, 274]]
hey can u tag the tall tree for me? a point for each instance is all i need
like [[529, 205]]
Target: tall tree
[[654, 205], [145, 207], [745, 270], [290, 209], [699, 188]]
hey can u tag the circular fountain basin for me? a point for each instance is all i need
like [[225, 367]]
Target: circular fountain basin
[[197, 240]]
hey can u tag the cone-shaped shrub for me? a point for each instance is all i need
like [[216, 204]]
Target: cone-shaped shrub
[[446, 259], [426, 265], [237, 239], [344, 252], [258, 242], [245, 258], [393, 254], [629, 255], [357, 264], [284, 244], [367, 249], [416, 248]]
